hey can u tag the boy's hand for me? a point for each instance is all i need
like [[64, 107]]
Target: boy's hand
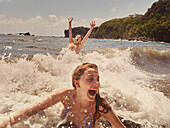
[[70, 20], [92, 24]]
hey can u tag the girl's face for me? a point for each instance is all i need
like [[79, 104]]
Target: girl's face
[[89, 84], [77, 39]]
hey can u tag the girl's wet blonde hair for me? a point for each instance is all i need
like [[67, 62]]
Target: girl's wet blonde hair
[[79, 71]]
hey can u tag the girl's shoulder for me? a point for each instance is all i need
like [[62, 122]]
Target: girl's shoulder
[[67, 95], [72, 46], [66, 92]]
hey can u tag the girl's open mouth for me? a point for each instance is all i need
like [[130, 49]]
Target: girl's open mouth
[[92, 92]]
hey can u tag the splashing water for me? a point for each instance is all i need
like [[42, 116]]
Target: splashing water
[[125, 84]]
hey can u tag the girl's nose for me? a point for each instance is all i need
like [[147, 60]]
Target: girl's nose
[[96, 84]]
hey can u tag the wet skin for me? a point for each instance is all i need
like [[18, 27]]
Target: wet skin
[[88, 85]]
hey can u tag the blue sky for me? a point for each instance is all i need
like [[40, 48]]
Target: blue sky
[[49, 17]]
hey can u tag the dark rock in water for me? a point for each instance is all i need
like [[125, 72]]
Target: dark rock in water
[[22, 34], [31, 47], [25, 34], [131, 124], [127, 123]]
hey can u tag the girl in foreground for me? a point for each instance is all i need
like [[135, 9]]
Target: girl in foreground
[[83, 105], [79, 41]]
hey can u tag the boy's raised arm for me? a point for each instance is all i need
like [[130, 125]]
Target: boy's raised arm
[[92, 24], [70, 31]]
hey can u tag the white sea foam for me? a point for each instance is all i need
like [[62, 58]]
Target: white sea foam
[[8, 47], [124, 86]]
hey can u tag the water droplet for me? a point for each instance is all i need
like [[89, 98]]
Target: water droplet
[[66, 98]]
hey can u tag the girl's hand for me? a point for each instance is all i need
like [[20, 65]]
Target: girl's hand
[[70, 20], [92, 24]]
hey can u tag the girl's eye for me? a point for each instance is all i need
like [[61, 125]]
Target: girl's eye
[[90, 79]]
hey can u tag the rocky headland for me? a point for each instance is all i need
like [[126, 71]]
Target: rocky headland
[[154, 25], [79, 31]]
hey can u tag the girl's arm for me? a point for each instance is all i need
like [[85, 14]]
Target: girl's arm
[[33, 109], [112, 118], [92, 24], [70, 31]]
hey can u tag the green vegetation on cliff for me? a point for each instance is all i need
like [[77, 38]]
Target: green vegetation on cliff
[[154, 25]]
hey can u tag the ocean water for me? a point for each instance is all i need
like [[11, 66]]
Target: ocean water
[[134, 76]]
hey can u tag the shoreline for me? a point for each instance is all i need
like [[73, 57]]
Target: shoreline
[[134, 40], [144, 39]]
